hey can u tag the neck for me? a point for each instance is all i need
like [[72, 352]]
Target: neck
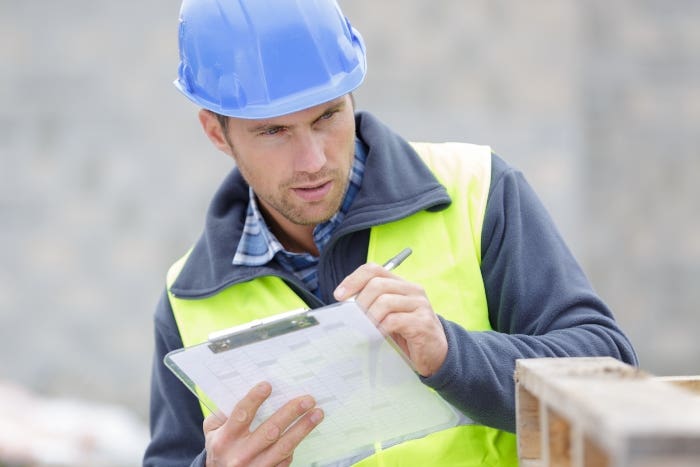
[[296, 238]]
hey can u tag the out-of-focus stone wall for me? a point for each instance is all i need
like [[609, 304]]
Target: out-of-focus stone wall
[[105, 174], [640, 114]]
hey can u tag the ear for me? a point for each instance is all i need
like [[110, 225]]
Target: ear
[[212, 128]]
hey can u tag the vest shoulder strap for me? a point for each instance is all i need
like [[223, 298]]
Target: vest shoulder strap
[[465, 171]]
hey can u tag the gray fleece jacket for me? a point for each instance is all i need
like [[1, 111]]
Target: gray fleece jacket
[[539, 300]]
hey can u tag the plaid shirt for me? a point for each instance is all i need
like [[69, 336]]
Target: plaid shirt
[[259, 245]]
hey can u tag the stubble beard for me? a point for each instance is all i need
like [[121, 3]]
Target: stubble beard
[[299, 213]]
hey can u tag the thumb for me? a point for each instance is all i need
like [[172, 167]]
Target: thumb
[[213, 421]]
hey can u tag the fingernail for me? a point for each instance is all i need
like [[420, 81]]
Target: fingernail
[[316, 416], [306, 404], [339, 293]]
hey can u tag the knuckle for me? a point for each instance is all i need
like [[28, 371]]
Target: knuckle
[[285, 447], [240, 414], [417, 290], [383, 301], [423, 303], [272, 431]]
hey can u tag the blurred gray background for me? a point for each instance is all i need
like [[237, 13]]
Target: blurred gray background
[[106, 175]]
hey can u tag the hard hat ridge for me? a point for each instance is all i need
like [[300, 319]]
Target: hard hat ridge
[[265, 58]]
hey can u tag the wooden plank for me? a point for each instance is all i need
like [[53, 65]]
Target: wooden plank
[[691, 383], [528, 424], [619, 408], [593, 455], [559, 431], [576, 440], [531, 463]]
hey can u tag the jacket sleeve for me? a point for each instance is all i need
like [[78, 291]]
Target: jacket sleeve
[[540, 305], [177, 439]]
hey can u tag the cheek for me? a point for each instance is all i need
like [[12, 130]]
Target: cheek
[[267, 178]]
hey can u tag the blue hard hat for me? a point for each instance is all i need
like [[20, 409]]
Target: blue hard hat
[[265, 58]]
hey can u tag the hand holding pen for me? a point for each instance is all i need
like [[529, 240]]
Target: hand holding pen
[[400, 309]]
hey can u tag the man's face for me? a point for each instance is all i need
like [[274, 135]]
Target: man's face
[[298, 164]]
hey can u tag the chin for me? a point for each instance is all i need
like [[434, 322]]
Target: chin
[[314, 219]]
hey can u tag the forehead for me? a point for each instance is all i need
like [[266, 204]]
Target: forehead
[[302, 116]]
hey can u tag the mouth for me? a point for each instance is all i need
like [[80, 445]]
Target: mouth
[[314, 192]]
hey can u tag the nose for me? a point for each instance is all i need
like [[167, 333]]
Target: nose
[[310, 156]]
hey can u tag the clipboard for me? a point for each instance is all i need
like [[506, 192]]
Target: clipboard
[[368, 391]]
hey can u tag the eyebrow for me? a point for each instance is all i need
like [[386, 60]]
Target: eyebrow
[[264, 126]]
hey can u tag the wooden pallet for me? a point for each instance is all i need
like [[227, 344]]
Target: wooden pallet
[[600, 412]]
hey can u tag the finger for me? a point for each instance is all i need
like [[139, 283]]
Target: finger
[[411, 325], [371, 282], [357, 280], [213, 422], [284, 448], [392, 297], [285, 463], [272, 428], [384, 304], [402, 344], [244, 412]]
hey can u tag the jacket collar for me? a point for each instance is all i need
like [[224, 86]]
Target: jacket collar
[[396, 184]]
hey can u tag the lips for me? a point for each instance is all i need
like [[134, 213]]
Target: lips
[[313, 193]]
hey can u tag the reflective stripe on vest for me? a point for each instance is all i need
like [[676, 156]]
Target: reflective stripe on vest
[[445, 262]]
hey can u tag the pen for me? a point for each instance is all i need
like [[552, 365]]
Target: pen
[[398, 259], [391, 264]]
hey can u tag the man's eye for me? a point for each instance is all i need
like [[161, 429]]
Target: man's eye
[[327, 115], [271, 131]]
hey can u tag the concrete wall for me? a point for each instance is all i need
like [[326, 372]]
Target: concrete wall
[[105, 175]]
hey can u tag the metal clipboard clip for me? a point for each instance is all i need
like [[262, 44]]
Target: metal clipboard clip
[[261, 329]]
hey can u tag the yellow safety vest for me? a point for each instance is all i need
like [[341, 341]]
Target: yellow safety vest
[[446, 262]]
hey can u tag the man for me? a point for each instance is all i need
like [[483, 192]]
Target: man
[[320, 195]]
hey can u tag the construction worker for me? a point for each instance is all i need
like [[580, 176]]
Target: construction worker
[[320, 195]]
